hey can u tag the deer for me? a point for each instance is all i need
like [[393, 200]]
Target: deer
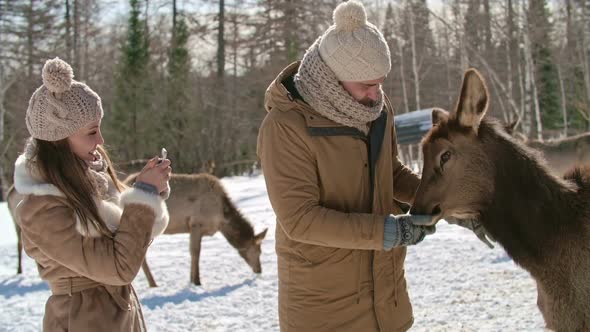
[[562, 153], [478, 176], [198, 205], [13, 198]]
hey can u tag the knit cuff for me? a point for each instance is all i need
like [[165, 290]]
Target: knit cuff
[[390, 233], [146, 187]]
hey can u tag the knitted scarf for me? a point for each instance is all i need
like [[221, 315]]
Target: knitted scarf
[[319, 87]]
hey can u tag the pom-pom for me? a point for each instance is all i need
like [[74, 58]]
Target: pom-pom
[[350, 15], [57, 75]]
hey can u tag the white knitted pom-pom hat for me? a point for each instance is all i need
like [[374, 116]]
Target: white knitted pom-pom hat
[[353, 48], [61, 106]]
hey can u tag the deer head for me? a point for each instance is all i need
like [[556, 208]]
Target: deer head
[[456, 173], [251, 251]]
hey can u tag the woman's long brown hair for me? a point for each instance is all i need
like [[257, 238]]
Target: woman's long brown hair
[[58, 165]]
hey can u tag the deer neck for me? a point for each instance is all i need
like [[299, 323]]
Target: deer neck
[[238, 233], [530, 208]]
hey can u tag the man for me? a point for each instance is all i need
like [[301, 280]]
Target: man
[[328, 153]]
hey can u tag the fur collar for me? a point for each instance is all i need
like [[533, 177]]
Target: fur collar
[[28, 182]]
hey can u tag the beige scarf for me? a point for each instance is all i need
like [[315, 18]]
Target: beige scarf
[[319, 87]]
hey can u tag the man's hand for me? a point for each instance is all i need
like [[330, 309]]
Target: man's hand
[[405, 230]]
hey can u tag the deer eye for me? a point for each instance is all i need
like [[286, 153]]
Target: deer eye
[[444, 158]]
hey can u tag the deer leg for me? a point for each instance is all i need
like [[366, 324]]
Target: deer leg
[[148, 274], [19, 247], [195, 248]]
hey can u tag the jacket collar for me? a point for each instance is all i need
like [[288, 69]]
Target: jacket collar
[[28, 182]]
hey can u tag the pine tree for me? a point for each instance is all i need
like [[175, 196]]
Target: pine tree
[[179, 117], [545, 68], [127, 124]]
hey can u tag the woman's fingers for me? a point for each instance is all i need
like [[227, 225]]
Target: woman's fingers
[[164, 163], [150, 164]]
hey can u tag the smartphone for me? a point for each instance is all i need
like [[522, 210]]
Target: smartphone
[[163, 155]]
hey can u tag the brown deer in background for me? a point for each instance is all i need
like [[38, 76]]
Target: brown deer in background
[[13, 198], [476, 175], [199, 205], [561, 154]]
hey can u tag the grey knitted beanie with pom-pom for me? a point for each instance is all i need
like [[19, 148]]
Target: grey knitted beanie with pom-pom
[[61, 106], [353, 48]]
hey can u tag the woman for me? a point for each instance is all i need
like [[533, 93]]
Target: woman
[[87, 235]]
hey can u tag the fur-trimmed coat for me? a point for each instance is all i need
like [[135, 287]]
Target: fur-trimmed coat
[[89, 275]]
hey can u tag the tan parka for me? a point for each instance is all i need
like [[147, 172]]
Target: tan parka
[[333, 273], [89, 275]]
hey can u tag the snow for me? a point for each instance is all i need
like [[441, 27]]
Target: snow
[[456, 283]]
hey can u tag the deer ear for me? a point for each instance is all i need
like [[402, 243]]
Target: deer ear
[[439, 115], [473, 101], [260, 236]]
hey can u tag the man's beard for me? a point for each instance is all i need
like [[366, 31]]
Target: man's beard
[[368, 102]]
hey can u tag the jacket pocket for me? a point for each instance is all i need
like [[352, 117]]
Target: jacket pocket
[[315, 255]]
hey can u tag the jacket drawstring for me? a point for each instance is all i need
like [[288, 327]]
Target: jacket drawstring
[[358, 277], [394, 278], [138, 306]]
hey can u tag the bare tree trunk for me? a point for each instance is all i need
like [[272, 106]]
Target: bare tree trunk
[[448, 67], [460, 37], [530, 69], [523, 105], [505, 113], [487, 27], [510, 34], [30, 32], [414, 57], [221, 40], [509, 71], [76, 41], [68, 33], [563, 100], [410, 155], [586, 67], [87, 16], [403, 75], [2, 112]]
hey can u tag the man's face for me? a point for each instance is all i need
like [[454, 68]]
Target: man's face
[[365, 92]]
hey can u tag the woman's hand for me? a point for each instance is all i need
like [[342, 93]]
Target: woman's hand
[[156, 173]]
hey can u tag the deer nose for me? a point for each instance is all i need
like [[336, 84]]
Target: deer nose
[[418, 209], [424, 209], [436, 210]]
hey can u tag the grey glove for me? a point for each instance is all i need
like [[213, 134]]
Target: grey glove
[[476, 227], [405, 230]]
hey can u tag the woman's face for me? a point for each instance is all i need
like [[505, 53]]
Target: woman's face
[[85, 141]]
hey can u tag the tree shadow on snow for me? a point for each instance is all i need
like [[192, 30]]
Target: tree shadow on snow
[[188, 295], [10, 288]]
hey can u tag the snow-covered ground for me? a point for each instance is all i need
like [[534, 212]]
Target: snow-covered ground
[[455, 282]]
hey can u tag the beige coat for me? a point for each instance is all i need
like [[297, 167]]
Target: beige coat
[[333, 273], [89, 275]]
